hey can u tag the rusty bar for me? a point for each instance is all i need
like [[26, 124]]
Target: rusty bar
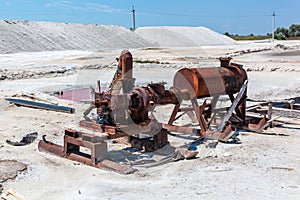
[[270, 105], [174, 113], [198, 113], [181, 129], [112, 131], [80, 158], [257, 127], [201, 109], [179, 116], [227, 133]]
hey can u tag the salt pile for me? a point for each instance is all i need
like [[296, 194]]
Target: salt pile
[[28, 36], [181, 36]]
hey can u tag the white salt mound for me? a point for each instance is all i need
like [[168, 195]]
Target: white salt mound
[[28, 36], [182, 36]]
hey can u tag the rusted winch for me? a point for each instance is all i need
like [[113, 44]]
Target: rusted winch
[[134, 105], [125, 110], [192, 84]]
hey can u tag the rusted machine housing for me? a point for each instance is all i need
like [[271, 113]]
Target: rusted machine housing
[[207, 82], [197, 83]]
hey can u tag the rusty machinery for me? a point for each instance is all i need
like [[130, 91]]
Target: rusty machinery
[[125, 111]]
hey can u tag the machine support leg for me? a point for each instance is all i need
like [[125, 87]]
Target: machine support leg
[[174, 113], [198, 113]]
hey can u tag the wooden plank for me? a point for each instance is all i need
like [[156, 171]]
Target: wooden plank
[[287, 120], [285, 112]]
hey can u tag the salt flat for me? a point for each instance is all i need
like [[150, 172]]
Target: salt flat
[[262, 166]]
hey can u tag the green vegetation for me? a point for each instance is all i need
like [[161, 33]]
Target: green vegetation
[[153, 48], [150, 61], [249, 37], [281, 33], [146, 61], [292, 33]]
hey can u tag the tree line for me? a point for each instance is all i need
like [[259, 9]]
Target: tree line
[[281, 33]]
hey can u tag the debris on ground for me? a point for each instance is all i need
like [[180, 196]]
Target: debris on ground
[[11, 194], [9, 169], [39, 105], [29, 138], [178, 154]]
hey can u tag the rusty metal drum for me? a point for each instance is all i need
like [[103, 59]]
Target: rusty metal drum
[[213, 81]]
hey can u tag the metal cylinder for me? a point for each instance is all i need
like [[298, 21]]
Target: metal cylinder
[[50, 147], [125, 62], [205, 82], [39, 105]]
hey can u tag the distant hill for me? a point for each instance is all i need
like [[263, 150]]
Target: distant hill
[[183, 36]]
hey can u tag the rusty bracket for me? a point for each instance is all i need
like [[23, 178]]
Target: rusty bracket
[[72, 143]]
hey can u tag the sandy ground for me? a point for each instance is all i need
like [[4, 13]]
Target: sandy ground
[[262, 166]]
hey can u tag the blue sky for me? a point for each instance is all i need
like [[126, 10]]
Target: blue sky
[[233, 16]]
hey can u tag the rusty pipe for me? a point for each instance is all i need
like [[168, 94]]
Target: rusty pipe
[[125, 63], [225, 61], [51, 147]]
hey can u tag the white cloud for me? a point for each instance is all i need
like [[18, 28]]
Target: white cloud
[[62, 4], [85, 6], [101, 8]]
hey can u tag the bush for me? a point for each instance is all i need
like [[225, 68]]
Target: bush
[[279, 36]]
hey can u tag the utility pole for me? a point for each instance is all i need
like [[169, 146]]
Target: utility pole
[[273, 26], [133, 18]]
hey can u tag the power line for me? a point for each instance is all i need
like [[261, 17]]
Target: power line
[[189, 15]]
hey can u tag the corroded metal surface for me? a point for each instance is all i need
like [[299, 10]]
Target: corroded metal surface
[[71, 151], [129, 113], [51, 147], [206, 82]]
